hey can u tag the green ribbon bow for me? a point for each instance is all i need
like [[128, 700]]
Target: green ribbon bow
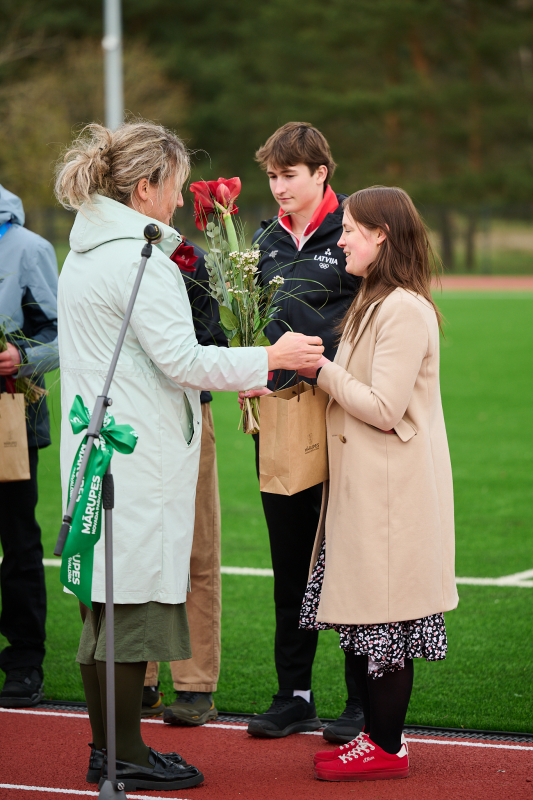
[[77, 560]]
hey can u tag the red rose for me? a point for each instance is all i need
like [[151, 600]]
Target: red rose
[[208, 193], [184, 257]]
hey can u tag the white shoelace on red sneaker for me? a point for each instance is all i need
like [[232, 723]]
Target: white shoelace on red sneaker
[[354, 742], [362, 748], [361, 737]]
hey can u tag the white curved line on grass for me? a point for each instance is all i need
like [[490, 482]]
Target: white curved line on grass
[[518, 579]]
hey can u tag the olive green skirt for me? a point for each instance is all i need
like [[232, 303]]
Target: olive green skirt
[[143, 632]]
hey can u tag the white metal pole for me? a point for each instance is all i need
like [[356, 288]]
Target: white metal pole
[[112, 44]]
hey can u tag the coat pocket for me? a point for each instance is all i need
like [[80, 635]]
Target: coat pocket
[[405, 431], [187, 420]]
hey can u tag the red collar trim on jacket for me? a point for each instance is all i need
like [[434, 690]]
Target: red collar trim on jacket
[[327, 206]]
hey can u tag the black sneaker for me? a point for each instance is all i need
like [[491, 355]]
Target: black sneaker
[[152, 705], [23, 688], [350, 723], [96, 762], [286, 715], [161, 774]]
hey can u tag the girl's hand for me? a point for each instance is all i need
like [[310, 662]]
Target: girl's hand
[[310, 372], [253, 393]]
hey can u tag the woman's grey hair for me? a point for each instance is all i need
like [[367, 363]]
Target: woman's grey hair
[[112, 163]]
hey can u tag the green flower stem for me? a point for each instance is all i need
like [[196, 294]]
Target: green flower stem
[[231, 233]]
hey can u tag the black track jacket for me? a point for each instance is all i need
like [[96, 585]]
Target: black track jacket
[[205, 312], [320, 289]]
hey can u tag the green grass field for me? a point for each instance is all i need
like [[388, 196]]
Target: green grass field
[[486, 681]]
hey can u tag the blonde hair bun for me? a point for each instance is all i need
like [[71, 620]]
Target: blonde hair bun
[[111, 163]]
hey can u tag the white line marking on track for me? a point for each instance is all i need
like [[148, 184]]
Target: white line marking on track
[[521, 580], [473, 744], [43, 713], [77, 791], [447, 741], [229, 726], [238, 727]]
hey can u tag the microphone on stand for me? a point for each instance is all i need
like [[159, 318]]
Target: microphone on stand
[[153, 233]]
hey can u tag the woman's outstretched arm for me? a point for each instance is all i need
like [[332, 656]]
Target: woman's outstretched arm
[[163, 324]]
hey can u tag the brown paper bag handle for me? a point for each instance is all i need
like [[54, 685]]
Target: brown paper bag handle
[[297, 377], [10, 386]]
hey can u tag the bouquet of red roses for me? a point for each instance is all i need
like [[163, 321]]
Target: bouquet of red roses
[[246, 306]]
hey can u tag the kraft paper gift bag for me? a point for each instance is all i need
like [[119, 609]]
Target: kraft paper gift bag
[[292, 443], [14, 458]]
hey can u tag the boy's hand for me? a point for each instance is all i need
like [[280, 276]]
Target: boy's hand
[[9, 360]]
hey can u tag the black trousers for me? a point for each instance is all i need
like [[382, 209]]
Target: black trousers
[[23, 617], [292, 524]]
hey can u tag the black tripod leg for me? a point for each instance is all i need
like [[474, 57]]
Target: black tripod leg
[[111, 789]]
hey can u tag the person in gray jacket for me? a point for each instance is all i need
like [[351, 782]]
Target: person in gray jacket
[[28, 313]]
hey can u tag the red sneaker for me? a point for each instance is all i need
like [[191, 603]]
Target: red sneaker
[[364, 762], [329, 755]]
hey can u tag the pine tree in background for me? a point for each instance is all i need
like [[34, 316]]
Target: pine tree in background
[[434, 95]]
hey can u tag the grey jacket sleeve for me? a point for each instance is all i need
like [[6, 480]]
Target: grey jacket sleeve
[[38, 342]]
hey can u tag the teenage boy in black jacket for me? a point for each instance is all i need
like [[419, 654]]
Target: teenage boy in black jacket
[[301, 246]]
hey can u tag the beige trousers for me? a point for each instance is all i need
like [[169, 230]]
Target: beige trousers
[[200, 673]]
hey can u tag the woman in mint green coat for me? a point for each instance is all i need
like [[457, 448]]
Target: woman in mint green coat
[[118, 182]]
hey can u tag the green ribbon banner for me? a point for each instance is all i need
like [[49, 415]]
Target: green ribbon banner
[[77, 560]]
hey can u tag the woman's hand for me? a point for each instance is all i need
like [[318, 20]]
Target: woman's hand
[[253, 393], [310, 372], [294, 351]]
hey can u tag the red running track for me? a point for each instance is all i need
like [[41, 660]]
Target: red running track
[[48, 750], [487, 283]]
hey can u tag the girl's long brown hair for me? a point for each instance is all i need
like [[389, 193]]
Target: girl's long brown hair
[[405, 258]]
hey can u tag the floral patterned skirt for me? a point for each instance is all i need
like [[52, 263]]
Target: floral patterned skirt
[[388, 643]]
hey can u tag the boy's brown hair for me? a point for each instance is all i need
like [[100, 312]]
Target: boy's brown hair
[[297, 143]]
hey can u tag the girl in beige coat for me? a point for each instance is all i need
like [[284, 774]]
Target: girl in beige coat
[[383, 564]]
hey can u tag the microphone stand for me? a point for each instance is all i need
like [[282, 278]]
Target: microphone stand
[[111, 788]]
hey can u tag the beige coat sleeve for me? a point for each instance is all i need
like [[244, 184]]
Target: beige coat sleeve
[[401, 344]]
